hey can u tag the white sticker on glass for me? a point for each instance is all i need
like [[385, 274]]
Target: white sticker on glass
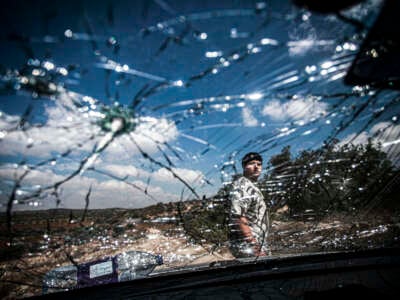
[[101, 269]]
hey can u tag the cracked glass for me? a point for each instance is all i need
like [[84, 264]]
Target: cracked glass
[[123, 125]]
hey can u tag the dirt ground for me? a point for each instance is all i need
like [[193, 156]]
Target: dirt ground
[[22, 277]]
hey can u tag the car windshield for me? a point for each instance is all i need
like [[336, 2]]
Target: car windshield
[[123, 125]]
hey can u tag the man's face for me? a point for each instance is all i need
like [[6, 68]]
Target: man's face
[[252, 169]]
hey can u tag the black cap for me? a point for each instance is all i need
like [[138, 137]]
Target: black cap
[[251, 156]]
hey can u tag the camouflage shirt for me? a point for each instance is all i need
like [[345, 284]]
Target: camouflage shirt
[[246, 200]]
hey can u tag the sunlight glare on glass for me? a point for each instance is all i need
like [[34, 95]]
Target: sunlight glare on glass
[[255, 96]]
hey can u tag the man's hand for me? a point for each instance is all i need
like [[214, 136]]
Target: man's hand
[[258, 251], [249, 238]]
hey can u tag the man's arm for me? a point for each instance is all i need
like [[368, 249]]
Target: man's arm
[[248, 236], [246, 230]]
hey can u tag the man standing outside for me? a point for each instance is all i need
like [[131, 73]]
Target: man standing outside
[[249, 215]]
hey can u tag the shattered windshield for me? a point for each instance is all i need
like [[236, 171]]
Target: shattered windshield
[[124, 124]]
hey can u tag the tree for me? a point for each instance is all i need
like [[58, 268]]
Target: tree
[[332, 178]]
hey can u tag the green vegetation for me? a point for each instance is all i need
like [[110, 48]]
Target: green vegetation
[[335, 178], [209, 222]]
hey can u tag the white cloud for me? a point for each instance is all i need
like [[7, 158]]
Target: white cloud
[[8, 121], [248, 118], [300, 47], [302, 38], [41, 177], [112, 193], [124, 170], [150, 134], [386, 133], [68, 128], [104, 193], [190, 176], [161, 177], [152, 130], [65, 129], [41, 142], [382, 132], [300, 109], [362, 138]]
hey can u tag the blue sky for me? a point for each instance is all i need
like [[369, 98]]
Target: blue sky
[[217, 81]]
